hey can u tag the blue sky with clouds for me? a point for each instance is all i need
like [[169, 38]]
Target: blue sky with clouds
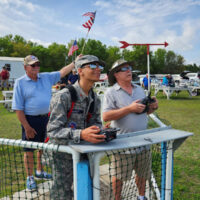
[[135, 21]]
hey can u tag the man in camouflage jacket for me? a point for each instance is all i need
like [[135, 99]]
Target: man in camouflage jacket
[[62, 129]]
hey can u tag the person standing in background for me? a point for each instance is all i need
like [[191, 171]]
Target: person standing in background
[[145, 82], [4, 78], [31, 99], [73, 77], [165, 81]]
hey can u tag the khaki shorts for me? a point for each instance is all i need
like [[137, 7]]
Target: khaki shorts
[[123, 165], [4, 83]]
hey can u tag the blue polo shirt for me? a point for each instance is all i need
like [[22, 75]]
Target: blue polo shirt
[[145, 81], [33, 97], [73, 78]]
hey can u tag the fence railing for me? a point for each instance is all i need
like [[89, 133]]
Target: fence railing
[[93, 176]]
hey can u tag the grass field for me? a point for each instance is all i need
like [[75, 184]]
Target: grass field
[[181, 112]]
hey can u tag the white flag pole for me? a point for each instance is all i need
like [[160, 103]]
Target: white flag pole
[[85, 42]]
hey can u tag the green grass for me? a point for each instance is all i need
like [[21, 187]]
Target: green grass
[[12, 172], [181, 112], [9, 124]]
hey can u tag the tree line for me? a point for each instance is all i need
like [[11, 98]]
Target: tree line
[[54, 56]]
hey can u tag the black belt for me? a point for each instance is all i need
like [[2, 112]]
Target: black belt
[[42, 115]]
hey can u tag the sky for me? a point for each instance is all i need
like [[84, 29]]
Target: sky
[[134, 21]]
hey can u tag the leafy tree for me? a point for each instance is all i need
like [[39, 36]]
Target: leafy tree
[[20, 49], [192, 68], [92, 47], [113, 55], [128, 54], [95, 47], [54, 57], [159, 61], [19, 39], [170, 62], [179, 65], [6, 45], [43, 54], [140, 58], [174, 63], [57, 55]]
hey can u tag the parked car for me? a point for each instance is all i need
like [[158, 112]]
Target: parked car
[[193, 76], [135, 76]]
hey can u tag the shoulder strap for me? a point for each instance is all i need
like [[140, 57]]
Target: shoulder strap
[[72, 92], [91, 109], [74, 97]]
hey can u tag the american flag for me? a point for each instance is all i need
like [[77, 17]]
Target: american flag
[[90, 22], [73, 48], [90, 14]]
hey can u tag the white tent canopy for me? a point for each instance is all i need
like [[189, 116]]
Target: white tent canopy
[[16, 66]]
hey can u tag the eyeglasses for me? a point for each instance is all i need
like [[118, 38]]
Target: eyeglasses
[[124, 69], [94, 66], [35, 65]]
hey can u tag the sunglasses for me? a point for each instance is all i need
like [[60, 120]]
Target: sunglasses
[[35, 65], [124, 69], [94, 66]]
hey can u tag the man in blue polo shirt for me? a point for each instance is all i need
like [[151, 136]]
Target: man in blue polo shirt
[[73, 77], [31, 99], [145, 82]]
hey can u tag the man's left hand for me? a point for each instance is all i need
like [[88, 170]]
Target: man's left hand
[[153, 106]]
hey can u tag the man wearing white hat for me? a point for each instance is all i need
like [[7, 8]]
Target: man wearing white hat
[[122, 106]]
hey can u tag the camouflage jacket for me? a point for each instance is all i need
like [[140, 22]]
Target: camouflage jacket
[[60, 129]]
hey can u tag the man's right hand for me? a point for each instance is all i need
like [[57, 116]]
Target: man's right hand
[[30, 132], [79, 56], [136, 106], [90, 134]]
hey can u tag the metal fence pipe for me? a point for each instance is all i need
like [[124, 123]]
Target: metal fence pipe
[[168, 193], [155, 119], [96, 178]]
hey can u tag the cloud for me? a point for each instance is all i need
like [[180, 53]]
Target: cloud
[[102, 4], [19, 4], [30, 20], [176, 22], [45, 44]]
